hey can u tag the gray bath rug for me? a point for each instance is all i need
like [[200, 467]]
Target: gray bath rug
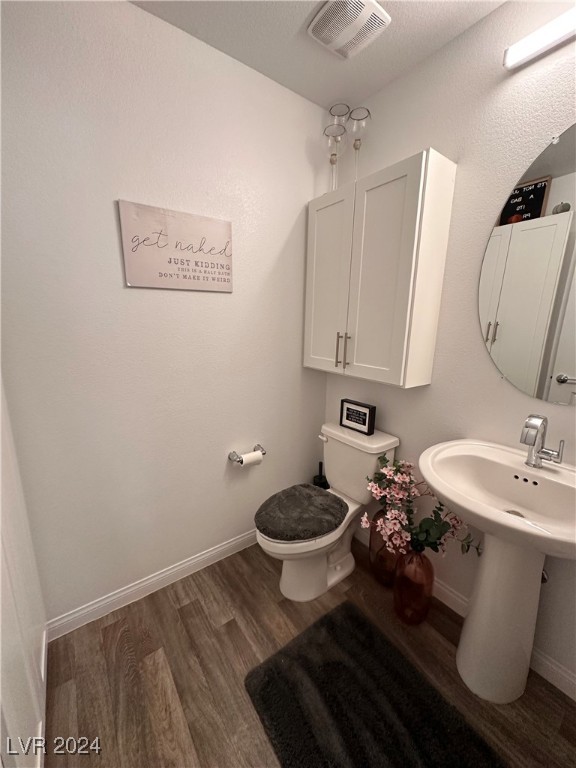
[[341, 696]]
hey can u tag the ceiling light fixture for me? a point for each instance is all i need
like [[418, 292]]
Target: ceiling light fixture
[[557, 32]]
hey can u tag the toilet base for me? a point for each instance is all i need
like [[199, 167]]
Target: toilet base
[[308, 578], [341, 569]]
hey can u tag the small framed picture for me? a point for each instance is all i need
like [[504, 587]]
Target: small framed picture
[[357, 416]]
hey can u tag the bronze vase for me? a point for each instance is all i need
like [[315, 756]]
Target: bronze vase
[[413, 582], [382, 562]]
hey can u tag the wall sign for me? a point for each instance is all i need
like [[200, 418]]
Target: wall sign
[[526, 202], [170, 249], [357, 416]]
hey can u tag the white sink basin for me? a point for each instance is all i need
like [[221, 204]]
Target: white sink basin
[[524, 514], [491, 488]]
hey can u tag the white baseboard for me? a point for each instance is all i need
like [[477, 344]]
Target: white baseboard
[[555, 673], [454, 600], [61, 625]]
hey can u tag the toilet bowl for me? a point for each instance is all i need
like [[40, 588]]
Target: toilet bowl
[[319, 560]]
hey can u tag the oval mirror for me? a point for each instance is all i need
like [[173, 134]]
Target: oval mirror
[[527, 295]]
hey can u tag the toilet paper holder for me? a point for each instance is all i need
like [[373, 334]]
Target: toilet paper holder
[[235, 456]]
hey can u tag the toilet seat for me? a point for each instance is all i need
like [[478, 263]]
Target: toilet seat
[[300, 513], [288, 549]]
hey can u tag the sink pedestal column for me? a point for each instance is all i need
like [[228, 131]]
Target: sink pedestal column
[[493, 656]]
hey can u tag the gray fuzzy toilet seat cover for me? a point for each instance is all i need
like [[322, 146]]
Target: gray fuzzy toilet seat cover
[[299, 513]]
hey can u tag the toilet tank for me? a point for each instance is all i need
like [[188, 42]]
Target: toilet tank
[[350, 457]]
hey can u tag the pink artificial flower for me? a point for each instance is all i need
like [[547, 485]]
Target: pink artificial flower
[[364, 522], [380, 523], [375, 490]]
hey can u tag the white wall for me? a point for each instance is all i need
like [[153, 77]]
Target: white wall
[[493, 124], [126, 402]]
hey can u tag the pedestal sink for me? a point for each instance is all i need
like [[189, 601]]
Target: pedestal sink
[[524, 514]]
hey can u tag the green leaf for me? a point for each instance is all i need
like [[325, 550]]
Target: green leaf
[[434, 532], [444, 528]]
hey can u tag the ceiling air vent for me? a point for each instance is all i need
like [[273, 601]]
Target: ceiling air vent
[[345, 28]]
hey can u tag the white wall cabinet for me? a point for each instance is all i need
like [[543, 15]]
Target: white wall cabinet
[[375, 265], [519, 296]]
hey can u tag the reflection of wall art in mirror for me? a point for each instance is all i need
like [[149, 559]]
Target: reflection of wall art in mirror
[[527, 201], [527, 289]]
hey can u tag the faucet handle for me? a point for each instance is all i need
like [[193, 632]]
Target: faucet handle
[[550, 455]]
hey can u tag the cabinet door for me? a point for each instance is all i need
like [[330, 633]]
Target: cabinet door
[[386, 220], [491, 277], [535, 258], [330, 219]]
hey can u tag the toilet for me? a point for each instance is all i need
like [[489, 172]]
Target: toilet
[[310, 529]]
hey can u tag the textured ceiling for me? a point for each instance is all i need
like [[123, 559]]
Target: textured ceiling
[[271, 38]]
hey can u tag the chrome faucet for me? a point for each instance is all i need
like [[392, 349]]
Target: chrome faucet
[[534, 436]]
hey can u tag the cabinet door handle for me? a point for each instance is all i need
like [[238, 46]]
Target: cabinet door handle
[[346, 337], [336, 361], [487, 339], [495, 331]]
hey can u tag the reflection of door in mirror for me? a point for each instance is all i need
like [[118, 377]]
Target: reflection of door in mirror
[[522, 291], [560, 380]]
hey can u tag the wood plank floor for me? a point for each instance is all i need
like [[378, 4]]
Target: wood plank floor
[[161, 681]]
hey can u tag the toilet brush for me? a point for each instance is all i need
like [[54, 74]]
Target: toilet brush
[[320, 478]]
